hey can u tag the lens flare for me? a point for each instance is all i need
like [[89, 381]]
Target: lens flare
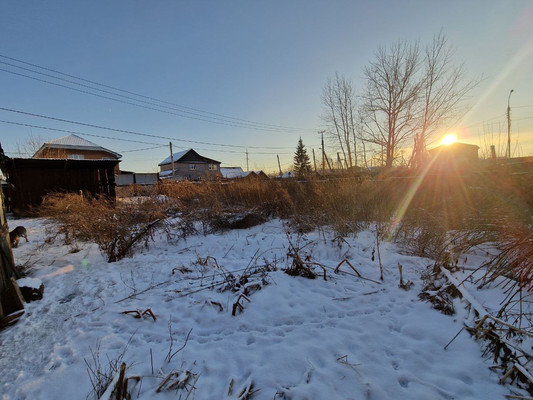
[[449, 139]]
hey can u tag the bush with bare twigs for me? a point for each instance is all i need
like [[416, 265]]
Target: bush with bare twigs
[[115, 226]]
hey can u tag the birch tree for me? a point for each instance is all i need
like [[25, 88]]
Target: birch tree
[[340, 113], [390, 98]]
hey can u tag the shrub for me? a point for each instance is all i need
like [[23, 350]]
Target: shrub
[[115, 227]]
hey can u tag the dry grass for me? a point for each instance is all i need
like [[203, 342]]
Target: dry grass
[[475, 207]]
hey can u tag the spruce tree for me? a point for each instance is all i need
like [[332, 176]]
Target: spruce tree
[[302, 164]]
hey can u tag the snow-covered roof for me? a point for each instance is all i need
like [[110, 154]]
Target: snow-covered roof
[[176, 156], [164, 174], [72, 140], [75, 142], [289, 174], [237, 174], [229, 169], [231, 172]]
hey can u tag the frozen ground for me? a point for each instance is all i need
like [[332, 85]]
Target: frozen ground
[[343, 338]]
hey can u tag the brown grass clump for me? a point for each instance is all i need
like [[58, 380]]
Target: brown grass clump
[[115, 227]]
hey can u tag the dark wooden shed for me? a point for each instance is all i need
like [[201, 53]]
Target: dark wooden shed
[[31, 179]]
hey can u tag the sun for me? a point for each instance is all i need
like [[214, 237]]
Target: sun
[[448, 139]]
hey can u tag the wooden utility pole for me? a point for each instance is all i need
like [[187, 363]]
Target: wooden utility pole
[[323, 151], [279, 166], [329, 165], [509, 125], [314, 160], [171, 159], [247, 169]]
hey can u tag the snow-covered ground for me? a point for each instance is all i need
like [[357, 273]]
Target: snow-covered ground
[[297, 338]]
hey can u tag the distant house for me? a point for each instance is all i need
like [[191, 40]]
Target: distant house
[[189, 165], [261, 175], [454, 155], [75, 148]]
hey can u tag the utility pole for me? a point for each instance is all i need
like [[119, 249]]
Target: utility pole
[[509, 125], [323, 151], [314, 160], [171, 159], [247, 169], [327, 160], [279, 166]]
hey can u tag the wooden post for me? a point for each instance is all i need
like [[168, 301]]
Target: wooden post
[[171, 159], [327, 160], [323, 153], [11, 300], [279, 166], [314, 160]]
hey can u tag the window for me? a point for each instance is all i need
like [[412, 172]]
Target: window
[[212, 167], [76, 156], [192, 167]]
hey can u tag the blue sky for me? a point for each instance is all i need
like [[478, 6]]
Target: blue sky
[[260, 61]]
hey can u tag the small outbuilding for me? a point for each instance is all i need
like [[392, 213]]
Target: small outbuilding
[[30, 179], [457, 152]]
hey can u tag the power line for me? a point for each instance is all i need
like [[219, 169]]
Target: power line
[[138, 133], [194, 114], [201, 117], [148, 97], [157, 145], [74, 132], [137, 105], [143, 149]]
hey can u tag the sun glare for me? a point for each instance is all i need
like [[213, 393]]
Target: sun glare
[[449, 139]]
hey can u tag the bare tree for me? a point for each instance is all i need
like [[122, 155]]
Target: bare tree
[[30, 146], [443, 87], [390, 100], [338, 98], [410, 95]]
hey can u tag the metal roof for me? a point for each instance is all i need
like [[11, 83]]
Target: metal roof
[[75, 142], [176, 156]]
